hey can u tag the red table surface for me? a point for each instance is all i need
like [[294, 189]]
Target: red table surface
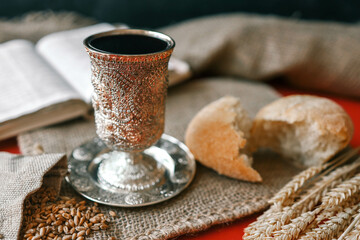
[[234, 230]]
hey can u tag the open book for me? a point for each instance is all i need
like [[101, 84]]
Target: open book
[[49, 82]]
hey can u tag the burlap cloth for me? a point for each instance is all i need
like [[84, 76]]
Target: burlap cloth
[[21, 176], [211, 198], [313, 55]]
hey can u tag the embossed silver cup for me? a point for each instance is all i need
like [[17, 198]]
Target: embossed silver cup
[[134, 163], [129, 75]]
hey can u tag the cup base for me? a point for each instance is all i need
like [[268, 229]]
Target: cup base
[[131, 180], [129, 171]]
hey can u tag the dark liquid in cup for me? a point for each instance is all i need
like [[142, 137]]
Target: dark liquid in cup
[[128, 44]]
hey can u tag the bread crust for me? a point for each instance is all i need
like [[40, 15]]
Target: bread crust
[[216, 140], [324, 117]]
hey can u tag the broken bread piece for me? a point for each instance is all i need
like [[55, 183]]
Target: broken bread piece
[[217, 136], [309, 130]]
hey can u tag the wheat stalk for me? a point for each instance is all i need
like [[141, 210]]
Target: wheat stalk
[[253, 231], [297, 225], [327, 180], [291, 188], [354, 234], [252, 228], [286, 195], [351, 233], [337, 223], [275, 221], [304, 214], [342, 192], [329, 212], [321, 217], [263, 228], [283, 221], [321, 189]]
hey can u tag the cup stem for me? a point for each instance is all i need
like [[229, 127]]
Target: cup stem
[[132, 157]]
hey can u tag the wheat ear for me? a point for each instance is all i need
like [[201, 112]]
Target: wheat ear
[[297, 225], [276, 220], [265, 226], [273, 221], [304, 220], [353, 230], [292, 187], [309, 200], [342, 192], [288, 192], [252, 228], [326, 180], [326, 211], [334, 225], [322, 188], [321, 217], [354, 234], [323, 214]]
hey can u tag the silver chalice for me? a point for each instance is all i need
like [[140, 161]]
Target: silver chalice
[[131, 162]]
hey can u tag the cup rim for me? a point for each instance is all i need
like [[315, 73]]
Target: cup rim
[[170, 42]]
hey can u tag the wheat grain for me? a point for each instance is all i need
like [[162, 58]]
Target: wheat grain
[[306, 203], [45, 217], [273, 221], [354, 234], [342, 173], [342, 192], [112, 213], [297, 225], [252, 228], [291, 188], [287, 194], [327, 180], [323, 216], [337, 223], [262, 229], [339, 218], [353, 230], [278, 217]]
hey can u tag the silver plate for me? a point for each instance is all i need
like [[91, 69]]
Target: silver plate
[[176, 158]]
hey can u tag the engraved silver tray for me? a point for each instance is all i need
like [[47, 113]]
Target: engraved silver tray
[[177, 161]]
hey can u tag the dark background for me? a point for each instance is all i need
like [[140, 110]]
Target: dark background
[[157, 13]]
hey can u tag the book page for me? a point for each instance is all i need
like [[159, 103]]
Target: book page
[[66, 53], [27, 82]]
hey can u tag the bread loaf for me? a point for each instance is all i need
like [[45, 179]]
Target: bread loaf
[[217, 136], [307, 129]]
